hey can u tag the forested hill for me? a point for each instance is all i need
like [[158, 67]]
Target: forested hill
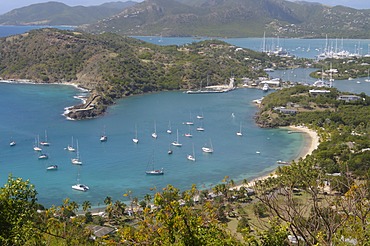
[[113, 66], [56, 13], [237, 18]]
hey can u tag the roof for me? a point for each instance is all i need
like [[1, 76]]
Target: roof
[[100, 231]]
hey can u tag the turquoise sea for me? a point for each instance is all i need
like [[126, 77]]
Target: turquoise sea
[[114, 167], [117, 166]]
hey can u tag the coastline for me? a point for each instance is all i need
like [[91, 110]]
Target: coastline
[[311, 142], [66, 109]]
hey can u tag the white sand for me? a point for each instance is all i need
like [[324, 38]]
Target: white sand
[[311, 143]]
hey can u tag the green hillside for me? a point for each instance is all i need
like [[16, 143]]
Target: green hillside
[[56, 13], [236, 18], [113, 66]]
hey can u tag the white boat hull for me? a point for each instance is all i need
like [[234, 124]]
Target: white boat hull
[[80, 187]]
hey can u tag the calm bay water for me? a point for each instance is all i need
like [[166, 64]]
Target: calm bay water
[[114, 167]]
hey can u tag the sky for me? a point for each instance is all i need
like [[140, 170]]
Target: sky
[[6, 5]]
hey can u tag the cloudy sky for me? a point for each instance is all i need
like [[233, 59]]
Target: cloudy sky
[[7, 5]]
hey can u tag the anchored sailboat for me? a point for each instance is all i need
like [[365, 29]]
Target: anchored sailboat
[[135, 139], [154, 134], [36, 146], [239, 133], [152, 170], [200, 128], [177, 143], [200, 116], [103, 137], [188, 134], [70, 148], [191, 157], [169, 130], [78, 186], [45, 143], [77, 160], [206, 149]]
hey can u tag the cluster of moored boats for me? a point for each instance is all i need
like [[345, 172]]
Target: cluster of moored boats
[[74, 147], [39, 145], [177, 143]]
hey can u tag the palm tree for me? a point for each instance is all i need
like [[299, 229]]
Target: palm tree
[[108, 200], [108, 209], [118, 209], [86, 205]]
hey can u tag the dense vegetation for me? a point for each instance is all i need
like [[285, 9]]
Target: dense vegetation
[[323, 199], [112, 66], [312, 109], [236, 18], [346, 68]]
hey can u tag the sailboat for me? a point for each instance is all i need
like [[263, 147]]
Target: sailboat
[[45, 143], [43, 156], [239, 133], [154, 134], [200, 116], [135, 139], [190, 122], [368, 77], [77, 160], [189, 135], [36, 147], [177, 143], [152, 170], [191, 157], [52, 167], [103, 137], [70, 148], [206, 149], [169, 131], [200, 128], [12, 143], [78, 186]]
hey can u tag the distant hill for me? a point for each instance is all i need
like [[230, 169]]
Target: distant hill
[[56, 13], [237, 18]]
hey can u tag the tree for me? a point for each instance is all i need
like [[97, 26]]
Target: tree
[[86, 205], [18, 212], [174, 224]]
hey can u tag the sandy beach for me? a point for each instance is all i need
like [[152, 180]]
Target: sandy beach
[[311, 143]]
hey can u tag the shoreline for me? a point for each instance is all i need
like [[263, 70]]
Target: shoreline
[[66, 109], [311, 142]]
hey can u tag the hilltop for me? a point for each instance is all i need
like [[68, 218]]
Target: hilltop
[[236, 18], [56, 13]]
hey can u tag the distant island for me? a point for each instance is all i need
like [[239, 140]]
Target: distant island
[[56, 13], [233, 18]]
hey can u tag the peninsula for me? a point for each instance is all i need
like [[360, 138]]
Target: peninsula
[[111, 66]]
